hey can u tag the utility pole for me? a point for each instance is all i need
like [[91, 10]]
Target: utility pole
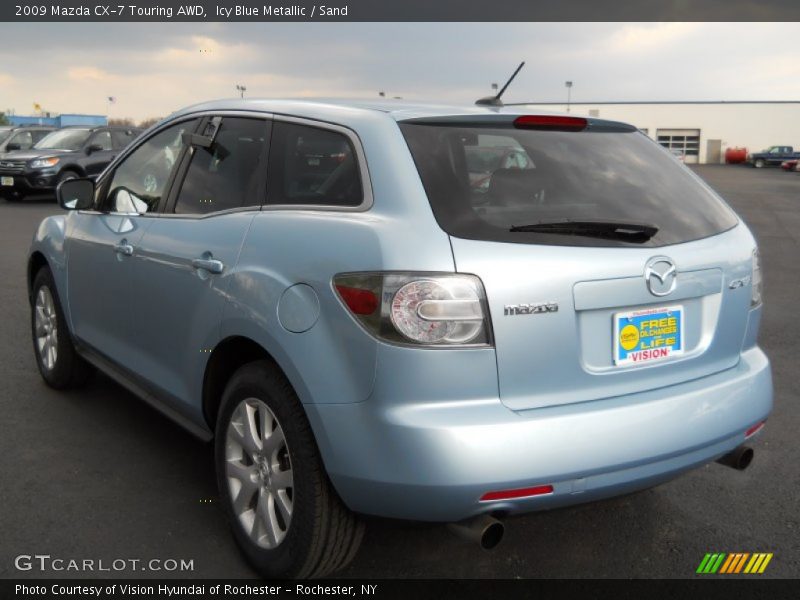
[[241, 89], [569, 93]]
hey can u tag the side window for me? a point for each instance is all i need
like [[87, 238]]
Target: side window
[[138, 183], [101, 138], [225, 175], [310, 165], [24, 139], [121, 138]]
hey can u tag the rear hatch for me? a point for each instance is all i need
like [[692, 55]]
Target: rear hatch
[[609, 267]]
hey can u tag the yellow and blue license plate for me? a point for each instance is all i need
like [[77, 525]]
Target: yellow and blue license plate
[[7, 181], [648, 335]]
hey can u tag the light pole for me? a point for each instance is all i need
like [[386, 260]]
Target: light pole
[[569, 93], [494, 88], [241, 89]]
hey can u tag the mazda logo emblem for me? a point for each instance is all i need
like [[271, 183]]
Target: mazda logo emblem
[[660, 275]]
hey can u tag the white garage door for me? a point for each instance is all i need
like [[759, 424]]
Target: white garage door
[[687, 141]]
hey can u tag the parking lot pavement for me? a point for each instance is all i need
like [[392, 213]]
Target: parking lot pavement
[[100, 475]]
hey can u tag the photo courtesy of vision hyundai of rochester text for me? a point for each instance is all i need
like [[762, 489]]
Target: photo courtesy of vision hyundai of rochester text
[[411, 311]]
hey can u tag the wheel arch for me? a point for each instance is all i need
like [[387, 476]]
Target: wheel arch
[[36, 261], [75, 167], [227, 356]]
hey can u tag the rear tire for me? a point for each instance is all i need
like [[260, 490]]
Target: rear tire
[[59, 364], [285, 515]]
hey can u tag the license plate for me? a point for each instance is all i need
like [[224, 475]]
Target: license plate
[[648, 335], [8, 181]]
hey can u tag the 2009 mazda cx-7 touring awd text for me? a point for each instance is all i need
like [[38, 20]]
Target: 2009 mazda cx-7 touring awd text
[[366, 321]]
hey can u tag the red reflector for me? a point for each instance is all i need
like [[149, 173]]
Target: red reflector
[[551, 122], [754, 429], [361, 302], [539, 490]]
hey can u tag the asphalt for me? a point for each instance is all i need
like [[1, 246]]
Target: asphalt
[[97, 474]]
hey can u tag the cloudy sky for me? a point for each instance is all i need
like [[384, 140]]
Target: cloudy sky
[[153, 69]]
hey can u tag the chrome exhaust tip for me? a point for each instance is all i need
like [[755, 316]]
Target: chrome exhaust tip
[[483, 529]]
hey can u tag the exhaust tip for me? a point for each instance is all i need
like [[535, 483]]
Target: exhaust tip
[[484, 530], [745, 458], [738, 459], [492, 535]]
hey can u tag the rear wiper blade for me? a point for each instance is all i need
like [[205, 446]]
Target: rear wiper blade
[[613, 230]]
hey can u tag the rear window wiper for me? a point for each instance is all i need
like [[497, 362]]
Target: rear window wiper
[[612, 230]]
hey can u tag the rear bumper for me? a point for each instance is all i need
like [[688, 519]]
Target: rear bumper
[[432, 461]]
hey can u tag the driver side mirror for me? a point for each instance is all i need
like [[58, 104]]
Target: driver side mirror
[[94, 148], [75, 194], [13, 146]]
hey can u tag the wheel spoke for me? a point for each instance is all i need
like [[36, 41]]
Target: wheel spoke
[[241, 430], [266, 513], [284, 505], [282, 480], [273, 442], [243, 473], [244, 498]]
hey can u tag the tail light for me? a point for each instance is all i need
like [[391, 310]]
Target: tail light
[[757, 284], [550, 122], [418, 308]]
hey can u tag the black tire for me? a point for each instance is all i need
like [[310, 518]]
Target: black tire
[[66, 176], [69, 369], [323, 535], [759, 163]]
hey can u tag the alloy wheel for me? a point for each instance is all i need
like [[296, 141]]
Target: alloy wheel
[[259, 473], [46, 328]]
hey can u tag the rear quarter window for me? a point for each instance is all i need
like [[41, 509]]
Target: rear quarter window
[[483, 181]]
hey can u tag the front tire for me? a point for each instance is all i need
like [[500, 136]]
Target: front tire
[[759, 163], [59, 364], [285, 515]]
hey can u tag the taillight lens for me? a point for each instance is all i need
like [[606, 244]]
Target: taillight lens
[[418, 308], [757, 284]]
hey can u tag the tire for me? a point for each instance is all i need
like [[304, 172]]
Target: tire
[[320, 535], [59, 364], [66, 176], [759, 163]]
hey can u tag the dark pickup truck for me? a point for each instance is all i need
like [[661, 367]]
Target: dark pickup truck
[[772, 156]]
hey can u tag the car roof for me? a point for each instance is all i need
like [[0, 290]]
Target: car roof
[[324, 108]]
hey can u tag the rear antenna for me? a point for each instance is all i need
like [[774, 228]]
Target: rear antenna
[[495, 100]]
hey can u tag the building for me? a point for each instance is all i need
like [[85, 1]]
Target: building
[[58, 121], [701, 130]]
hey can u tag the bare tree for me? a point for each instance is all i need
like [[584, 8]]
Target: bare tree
[[126, 122], [148, 122]]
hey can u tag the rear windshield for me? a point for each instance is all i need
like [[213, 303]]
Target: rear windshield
[[483, 182]]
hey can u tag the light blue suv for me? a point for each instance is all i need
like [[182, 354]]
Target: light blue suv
[[373, 310]]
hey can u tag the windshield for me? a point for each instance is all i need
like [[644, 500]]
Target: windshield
[[64, 139], [4, 133], [493, 184]]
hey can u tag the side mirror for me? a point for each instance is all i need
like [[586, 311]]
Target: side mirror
[[94, 148], [75, 194], [13, 146]]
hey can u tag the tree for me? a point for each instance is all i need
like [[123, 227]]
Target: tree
[[126, 122], [149, 122], [3, 119]]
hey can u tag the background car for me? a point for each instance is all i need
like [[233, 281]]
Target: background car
[[789, 165], [68, 153], [21, 138]]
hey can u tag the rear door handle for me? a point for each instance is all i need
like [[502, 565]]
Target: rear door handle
[[124, 248], [211, 265]]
